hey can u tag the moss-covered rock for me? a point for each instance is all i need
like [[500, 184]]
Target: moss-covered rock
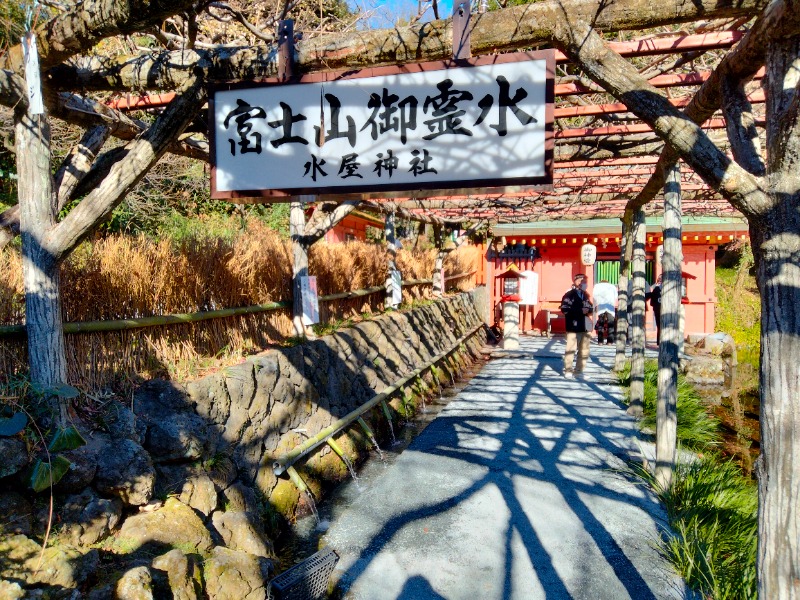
[[174, 525], [285, 497], [61, 566], [232, 575]]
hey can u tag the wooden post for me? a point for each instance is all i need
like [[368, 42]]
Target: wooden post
[[391, 257], [461, 43], [671, 331], [297, 215], [285, 49], [38, 207], [639, 233]]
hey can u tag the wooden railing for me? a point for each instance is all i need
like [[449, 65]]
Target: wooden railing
[[181, 318]]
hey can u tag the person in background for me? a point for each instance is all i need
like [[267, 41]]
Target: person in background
[[654, 296], [605, 306], [576, 307]]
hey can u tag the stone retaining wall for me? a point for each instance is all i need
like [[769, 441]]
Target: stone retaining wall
[[258, 410], [177, 498]]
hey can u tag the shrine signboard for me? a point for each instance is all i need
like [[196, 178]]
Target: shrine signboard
[[420, 128]]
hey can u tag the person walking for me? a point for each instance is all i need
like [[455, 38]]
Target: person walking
[[577, 309], [654, 296], [605, 306]]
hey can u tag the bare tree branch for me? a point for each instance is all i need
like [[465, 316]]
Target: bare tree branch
[[141, 154], [267, 37], [578, 40], [87, 113], [90, 21], [74, 167], [78, 162], [492, 32], [740, 64], [325, 217], [741, 127]]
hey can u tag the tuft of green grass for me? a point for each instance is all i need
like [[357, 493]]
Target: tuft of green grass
[[713, 513], [697, 429]]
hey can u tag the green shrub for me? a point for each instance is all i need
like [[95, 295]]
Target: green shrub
[[696, 428], [713, 513]]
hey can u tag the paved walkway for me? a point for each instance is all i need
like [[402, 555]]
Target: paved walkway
[[513, 491]]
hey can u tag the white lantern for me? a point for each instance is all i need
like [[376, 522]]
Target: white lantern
[[588, 254], [660, 254]]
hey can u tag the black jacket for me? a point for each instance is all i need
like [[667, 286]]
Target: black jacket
[[572, 306], [654, 296]]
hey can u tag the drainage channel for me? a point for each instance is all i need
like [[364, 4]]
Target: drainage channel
[[303, 537]]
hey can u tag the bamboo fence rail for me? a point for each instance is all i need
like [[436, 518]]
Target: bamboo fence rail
[[100, 353]]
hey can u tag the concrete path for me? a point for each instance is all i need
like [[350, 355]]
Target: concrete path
[[513, 491]]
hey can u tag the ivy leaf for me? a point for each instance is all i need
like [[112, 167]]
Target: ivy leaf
[[66, 439], [13, 425], [42, 471]]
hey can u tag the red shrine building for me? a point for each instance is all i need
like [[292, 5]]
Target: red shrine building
[[353, 227], [552, 252]]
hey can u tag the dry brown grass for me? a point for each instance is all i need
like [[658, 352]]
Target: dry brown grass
[[123, 277], [466, 259], [12, 295]]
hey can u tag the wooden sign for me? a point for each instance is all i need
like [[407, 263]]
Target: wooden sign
[[420, 128]]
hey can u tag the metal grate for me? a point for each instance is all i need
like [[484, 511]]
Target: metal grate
[[307, 580]]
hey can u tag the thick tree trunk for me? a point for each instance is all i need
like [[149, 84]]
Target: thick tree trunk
[[47, 355], [775, 237], [778, 274], [671, 332], [639, 233], [438, 274]]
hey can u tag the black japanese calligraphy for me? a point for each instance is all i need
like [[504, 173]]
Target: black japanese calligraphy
[[314, 166], [349, 166], [421, 165], [387, 164], [446, 114], [285, 123], [249, 140], [398, 118], [334, 132], [504, 103]]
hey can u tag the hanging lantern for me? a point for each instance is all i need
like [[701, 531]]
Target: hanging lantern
[[660, 254], [588, 254]]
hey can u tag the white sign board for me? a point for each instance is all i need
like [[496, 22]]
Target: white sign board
[[415, 127], [529, 288], [33, 82], [397, 287], [308, 290]]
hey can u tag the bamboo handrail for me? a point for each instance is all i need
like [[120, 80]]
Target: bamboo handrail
[[123, 324], [154, 321], [281, 464], [461, 275]]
